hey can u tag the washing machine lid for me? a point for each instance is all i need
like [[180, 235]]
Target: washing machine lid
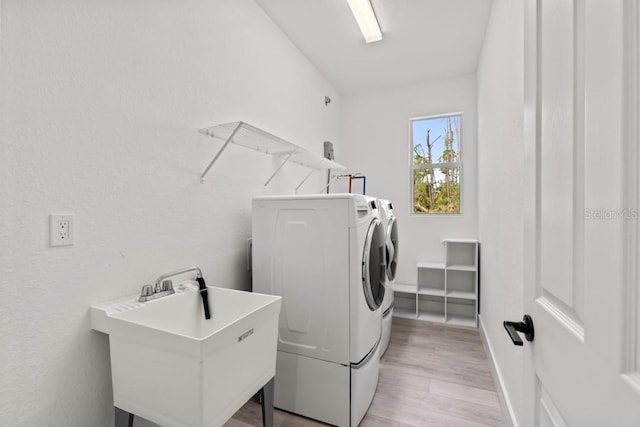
[[392, 248], [374, 265]]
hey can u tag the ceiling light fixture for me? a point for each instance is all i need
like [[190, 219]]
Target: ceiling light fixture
[[366, 19]]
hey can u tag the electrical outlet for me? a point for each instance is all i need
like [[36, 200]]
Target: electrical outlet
[[61, 230]]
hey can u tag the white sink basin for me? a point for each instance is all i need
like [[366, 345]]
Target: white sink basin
[[173, 367]]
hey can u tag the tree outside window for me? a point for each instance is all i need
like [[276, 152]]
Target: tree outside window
[[436, 164]]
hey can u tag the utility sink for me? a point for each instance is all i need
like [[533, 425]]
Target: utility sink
[[173, 367]]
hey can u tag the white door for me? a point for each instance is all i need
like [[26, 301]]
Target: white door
[[581, 287]]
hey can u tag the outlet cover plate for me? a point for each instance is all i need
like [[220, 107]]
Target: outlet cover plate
[[61, 231]]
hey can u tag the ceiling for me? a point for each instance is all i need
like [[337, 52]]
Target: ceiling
[[422, 39]]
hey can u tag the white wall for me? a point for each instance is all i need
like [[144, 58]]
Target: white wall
[[377, 144], [500, 164], [100, 106]]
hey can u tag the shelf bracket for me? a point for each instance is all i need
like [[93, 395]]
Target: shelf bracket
[[305, 178], [219, 151], [331, 181], [279, 167]]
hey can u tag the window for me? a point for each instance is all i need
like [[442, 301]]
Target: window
[[436, 164]]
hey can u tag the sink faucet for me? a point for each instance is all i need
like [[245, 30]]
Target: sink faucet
[[164, 277], [164, 287]]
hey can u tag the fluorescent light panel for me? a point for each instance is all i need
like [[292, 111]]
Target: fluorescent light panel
[[366, 19]]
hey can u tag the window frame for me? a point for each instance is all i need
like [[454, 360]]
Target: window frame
[[458, 164]]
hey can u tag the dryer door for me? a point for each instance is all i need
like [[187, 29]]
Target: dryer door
[[392, 248], [374, 265]]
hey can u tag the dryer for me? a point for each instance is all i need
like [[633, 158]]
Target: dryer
[[390, 225], [325, 255]]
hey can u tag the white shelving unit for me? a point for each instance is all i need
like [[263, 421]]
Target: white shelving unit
[[248, 136], [445, 292]]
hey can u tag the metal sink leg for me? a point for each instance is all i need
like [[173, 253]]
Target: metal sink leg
[[267, 403], [123, 418]]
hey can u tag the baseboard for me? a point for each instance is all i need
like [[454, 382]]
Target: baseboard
[[505, 403]]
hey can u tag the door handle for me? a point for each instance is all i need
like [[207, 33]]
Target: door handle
[[525, 327]]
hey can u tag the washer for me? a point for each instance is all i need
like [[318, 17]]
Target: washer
[[325, 255], [390, 225]]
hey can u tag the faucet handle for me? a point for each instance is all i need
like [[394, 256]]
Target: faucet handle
[[147, 290], [167, 285]]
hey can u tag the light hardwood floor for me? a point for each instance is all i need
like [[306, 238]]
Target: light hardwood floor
[[431, 375]]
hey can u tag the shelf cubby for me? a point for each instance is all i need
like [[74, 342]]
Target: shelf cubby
[[461, 282], [405, 300], [431, 279], [461, 312], [431, 308], [460, 254]]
